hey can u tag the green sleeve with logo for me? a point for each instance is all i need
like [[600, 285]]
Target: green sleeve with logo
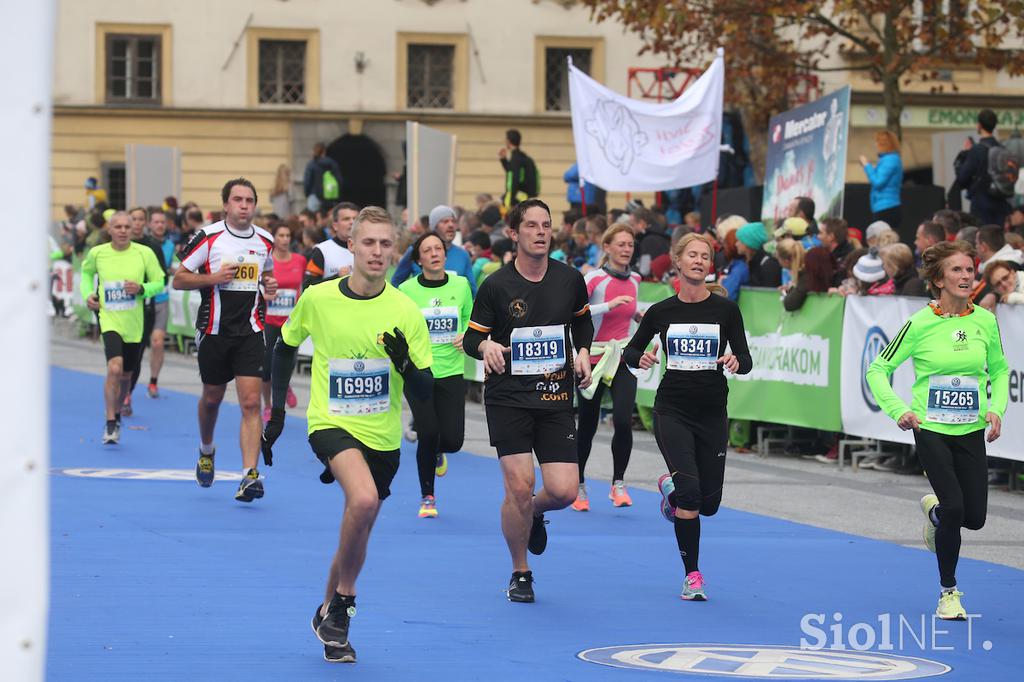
[[454, 293], [119, 311], [949, 354]]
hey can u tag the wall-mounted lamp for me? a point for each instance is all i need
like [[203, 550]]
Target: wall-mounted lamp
[[361, 62]]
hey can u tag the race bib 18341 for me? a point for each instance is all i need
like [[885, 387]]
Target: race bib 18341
[[359, 387], [442, 323], [692, 347], [952, 400], [115, 298], [538, 350]]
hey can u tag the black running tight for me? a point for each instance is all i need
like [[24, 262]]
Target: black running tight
[[440, 425], [623, 391], [958, 471]]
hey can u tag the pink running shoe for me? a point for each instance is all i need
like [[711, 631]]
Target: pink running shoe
[[290, 400], [693, 587], [266, 414]]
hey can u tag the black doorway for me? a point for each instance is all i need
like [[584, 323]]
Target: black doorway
[[362, 170]]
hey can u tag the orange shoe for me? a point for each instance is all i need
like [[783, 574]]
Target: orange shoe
[[619, 496], [582, 502]]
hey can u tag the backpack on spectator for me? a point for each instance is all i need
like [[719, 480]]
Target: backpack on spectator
[[1003, 171], [531, 178], [331, 188]]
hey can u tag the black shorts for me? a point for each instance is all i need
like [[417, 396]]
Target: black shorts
[[115, 347], [551, 434], [222, 358], [327, 443]]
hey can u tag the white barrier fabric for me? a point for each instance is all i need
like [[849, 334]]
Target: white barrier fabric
[[869, 323], [27, 46]]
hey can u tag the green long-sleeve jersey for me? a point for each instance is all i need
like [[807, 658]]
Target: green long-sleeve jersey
[[954, 359], [120, 311], [446, 306]]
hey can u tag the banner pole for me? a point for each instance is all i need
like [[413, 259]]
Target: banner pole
[[583, 197], [714, 202]]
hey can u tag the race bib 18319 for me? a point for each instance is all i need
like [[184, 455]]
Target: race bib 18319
[[538, 350]]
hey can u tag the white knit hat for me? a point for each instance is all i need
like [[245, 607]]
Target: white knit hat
[[876, 228], [868, 268]]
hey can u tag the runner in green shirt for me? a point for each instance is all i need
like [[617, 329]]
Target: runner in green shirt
[[446, 302], [957, 353], [369, 340], [121, 267]]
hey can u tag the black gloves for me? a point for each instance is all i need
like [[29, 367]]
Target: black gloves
[[271, 432], [397, 349]]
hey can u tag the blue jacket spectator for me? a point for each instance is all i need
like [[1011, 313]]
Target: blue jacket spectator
[[456, 260], [886, 178], [595, 195]]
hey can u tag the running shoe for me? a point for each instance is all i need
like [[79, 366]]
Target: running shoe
[[112, 434], [205, 470], [950, 607], [619, 496], [289, 399], [152, 391], [333, 654], [538, 535], [929, 502], [428, 507], [266, 414], [520, 587], [410, 432], [442, 464], [582, 502], [251, 487], [667, 487], [332, 630], [693, 587], [126, 407]]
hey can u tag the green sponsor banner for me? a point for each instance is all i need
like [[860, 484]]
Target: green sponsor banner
[[797, 358]]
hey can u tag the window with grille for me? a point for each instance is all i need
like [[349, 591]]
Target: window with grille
[[556, 74], [113, 180], [282, 72], [430, 77], [133, 69]]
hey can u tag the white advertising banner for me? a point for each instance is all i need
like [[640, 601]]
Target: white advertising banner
[[869, 323], [626, 145]]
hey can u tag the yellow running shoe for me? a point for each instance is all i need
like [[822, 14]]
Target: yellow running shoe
[[428, 507], [928, 502], [442, 465], [950, 607]]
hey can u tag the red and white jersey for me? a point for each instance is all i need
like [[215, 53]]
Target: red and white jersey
[[236, 308]]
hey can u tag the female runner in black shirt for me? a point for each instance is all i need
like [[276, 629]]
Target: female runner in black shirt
[[690, 422]]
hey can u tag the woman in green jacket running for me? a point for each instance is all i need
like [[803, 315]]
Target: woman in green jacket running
[[957, 351], [446, 301]]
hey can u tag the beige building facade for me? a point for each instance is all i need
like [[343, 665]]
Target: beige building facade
[[242, 87]]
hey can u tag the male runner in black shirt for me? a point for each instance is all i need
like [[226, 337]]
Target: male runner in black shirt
[[519, 328]]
